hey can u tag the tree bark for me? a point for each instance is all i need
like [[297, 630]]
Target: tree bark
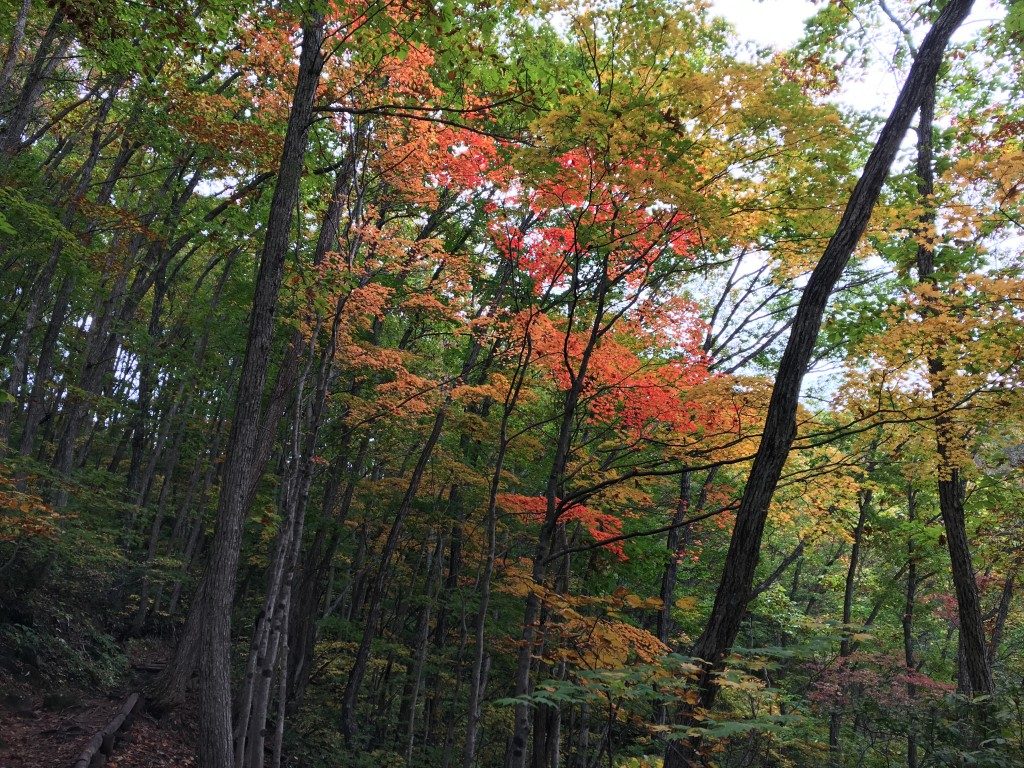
[[376, 597], [733, 593], [243, 450], [13, 49], [975, 674]]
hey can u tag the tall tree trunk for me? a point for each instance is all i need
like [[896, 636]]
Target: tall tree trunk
[[516, 751], [243, 450], [414, 679], [668, 576], [478, 675], [13, 49], [1002, 613], [733, 593], [44, 367], [376, 597], [976, 675], [40, 289], [312, 588], [48, 54]]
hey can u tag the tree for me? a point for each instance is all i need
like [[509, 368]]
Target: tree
[[779, 431]]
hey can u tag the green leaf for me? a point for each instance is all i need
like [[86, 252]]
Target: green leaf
[[1015, 18]]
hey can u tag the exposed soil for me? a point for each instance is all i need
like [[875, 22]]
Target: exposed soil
[[51, 731]]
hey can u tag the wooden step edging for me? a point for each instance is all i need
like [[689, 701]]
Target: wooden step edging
[[101, 746]]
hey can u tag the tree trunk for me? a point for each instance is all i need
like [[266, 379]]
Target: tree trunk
[[42, 67], [668, 577], [780, 424], [376, 597], [1002, 613], [975, 676], [13, 49], [243, 451], [846, 644]]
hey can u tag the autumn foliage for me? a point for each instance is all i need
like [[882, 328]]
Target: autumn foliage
[[439, 338]]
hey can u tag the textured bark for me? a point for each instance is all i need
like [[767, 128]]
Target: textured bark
[[243, 448], [13, 49], [780, 424], [975, 675], [269, 646]]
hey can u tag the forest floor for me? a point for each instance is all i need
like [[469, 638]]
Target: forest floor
[[50, 731]]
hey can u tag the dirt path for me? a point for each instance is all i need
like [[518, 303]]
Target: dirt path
[[52, 731]]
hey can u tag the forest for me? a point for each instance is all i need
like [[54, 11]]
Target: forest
[[501, 384]]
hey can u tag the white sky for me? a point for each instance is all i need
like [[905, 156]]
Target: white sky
[[779, 24]]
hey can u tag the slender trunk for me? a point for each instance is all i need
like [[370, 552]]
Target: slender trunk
[[311, 593], [49, 52], [975, 675], [668, 576], [41, 287], [1002, 613], [478, 676], [516, 752], [44, 367], [139, 620], [846, 644], [733, 593], [415, 678], [243, 450], [171, 692], [13, 49], [376, 597]]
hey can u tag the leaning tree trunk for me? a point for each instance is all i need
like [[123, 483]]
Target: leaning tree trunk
[[734, 590], [13, 49], [379, 584], [243, 451], [48, 55]]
